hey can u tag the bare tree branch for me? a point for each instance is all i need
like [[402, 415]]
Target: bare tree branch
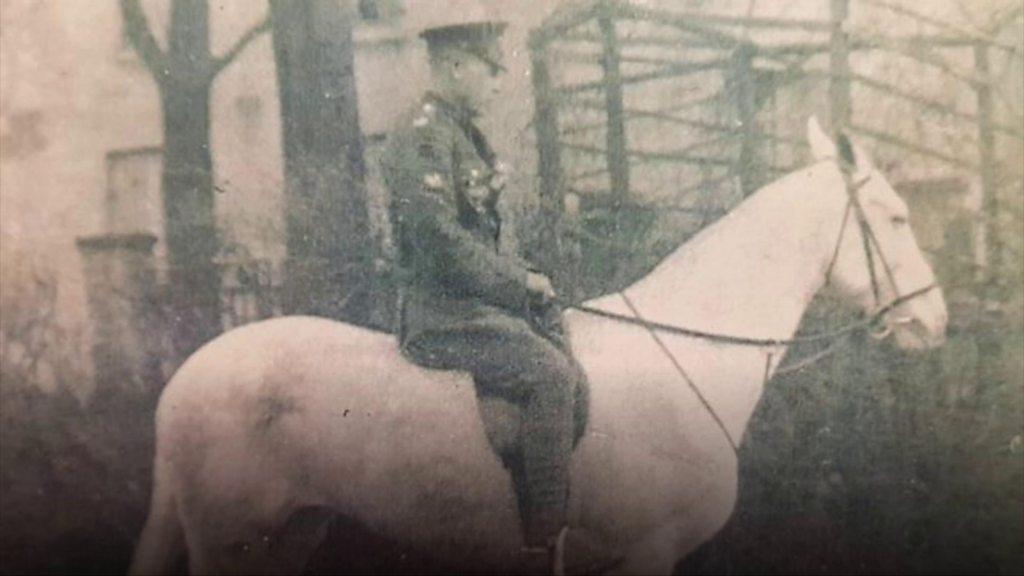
[[141, 37], [245, 40], [1005, 18]]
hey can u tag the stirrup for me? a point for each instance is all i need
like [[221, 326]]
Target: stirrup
[[558, 553], [554, 552], [538, 560], [600, 561]]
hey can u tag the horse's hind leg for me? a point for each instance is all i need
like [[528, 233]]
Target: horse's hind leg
[[247, 549], [161, 546], [294, 544]]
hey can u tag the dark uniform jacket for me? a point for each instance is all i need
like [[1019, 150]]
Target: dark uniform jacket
[[444, 183]]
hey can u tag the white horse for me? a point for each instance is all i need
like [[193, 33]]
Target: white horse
[[271, 428]]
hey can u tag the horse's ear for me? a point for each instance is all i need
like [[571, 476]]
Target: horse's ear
[[822, 146]]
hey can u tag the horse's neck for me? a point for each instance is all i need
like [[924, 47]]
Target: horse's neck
[[753, 273]]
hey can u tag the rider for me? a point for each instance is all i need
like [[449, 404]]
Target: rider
[[466, 306]]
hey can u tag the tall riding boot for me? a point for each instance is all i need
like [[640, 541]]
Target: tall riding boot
[[541, 530]]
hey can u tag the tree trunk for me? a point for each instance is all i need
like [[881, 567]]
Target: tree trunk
[[188, 179], [184, 74], [328, 249], [189, 215]]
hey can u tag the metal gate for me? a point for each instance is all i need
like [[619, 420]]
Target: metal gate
[[650, 124]]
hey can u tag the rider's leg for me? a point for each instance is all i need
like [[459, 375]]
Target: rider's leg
[[506, 356]]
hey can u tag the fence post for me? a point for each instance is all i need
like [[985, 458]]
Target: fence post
[[989, 332], [839, 83], [554, 254], [545, 124], [744, 85], [986, 164], [120, 282], [618, 162]]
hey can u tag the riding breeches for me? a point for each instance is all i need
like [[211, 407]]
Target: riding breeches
[[509, 359]]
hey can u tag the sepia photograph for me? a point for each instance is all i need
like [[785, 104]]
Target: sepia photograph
[[541, 287]]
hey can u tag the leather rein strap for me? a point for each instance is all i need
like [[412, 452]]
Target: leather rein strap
[[868, 238]]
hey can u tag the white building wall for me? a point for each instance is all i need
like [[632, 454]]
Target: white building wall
[[73, 91]]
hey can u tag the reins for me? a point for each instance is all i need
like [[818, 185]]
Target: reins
[[749, 341], [868, 238], [682, 372]]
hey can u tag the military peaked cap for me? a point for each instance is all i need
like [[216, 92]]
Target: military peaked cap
[[481, 39]]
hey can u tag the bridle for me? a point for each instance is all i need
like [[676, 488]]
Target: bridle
[[868, 238], [870, 243]]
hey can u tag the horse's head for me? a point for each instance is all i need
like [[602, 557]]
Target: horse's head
[[876, 261]]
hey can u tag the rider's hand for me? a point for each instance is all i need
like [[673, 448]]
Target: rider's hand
[[540, 286]]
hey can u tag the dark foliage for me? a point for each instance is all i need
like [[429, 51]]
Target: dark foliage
[[880, 462], [74, 480]]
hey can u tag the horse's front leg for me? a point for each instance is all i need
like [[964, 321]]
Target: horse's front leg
[[658, 551], [655, 553]]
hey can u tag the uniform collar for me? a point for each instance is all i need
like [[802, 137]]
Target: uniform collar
[[464, 119], [460, 114]]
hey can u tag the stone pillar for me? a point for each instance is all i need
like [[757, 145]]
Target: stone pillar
[[120, 282]]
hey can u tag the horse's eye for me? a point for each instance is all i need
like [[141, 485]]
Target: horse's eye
[[899, 221]]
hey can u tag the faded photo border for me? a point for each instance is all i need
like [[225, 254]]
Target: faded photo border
[[773, 246]]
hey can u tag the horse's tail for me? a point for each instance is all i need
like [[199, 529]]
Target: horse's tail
[[161, 548]]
